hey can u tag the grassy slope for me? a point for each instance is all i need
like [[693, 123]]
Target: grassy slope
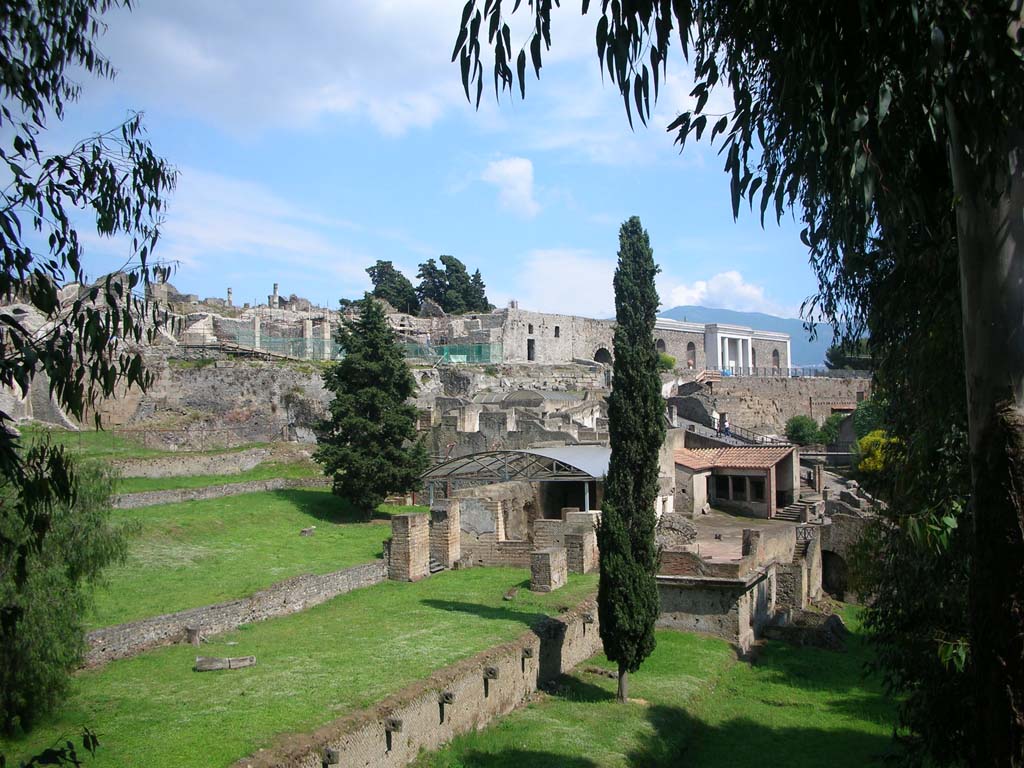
[[153, 710], [264, 471], [794, 707], [93, 444], [196, 553]]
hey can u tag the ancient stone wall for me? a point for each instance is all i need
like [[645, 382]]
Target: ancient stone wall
[[576, 338], [548, 569], [766, 403], [458, 699], [176, 496], [446, 534], [291, 596]]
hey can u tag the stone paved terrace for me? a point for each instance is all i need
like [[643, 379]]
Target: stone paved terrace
[[730, 526]]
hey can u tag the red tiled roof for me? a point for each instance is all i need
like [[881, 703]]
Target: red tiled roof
[[733, 457]]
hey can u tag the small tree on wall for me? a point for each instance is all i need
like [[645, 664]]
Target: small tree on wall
[[628, 594], [368, 444]]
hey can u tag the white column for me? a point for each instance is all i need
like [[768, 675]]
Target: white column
[[725, 353]]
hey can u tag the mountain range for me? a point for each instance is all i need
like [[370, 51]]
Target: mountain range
[[805, 352]]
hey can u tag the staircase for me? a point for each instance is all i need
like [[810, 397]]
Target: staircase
[[792, 514], [435, 566], [708, 376], [800, 551]]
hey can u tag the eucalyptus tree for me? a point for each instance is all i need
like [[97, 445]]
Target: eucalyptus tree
[[894, 130]]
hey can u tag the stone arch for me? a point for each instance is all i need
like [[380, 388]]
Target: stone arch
[[776, 359], [603, 356], [691, 355], [660, 345], [835, 574]]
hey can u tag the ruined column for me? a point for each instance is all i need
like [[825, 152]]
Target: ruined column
[[307, 337], [410, 547], [446, 533], [230, 298], [255, 331], [548, 569]]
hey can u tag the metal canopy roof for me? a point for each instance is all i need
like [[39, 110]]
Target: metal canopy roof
[[559, 464]]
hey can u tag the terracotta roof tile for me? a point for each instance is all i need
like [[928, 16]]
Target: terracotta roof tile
[[733, 457]]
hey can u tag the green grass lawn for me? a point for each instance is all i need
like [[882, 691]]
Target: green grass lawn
[[106, 444], [201, 552], [265, 471], [312, 667], [695, 705]]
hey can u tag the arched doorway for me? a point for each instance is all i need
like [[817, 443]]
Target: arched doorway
[[691, 355], [775, 359], [834, 574], [603, 356], [660, 345]]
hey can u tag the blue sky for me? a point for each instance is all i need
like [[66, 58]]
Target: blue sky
[[314, 138]]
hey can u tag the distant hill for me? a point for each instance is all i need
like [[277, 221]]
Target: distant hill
[[804, 351]]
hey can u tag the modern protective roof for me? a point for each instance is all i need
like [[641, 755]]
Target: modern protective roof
[[733, 457], [558, 464]]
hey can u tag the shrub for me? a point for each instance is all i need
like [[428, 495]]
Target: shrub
[[666, 362], [46, 637], [868, 417], [872, 449], [802, 430], [829, 432]]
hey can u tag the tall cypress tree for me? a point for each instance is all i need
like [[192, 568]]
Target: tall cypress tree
[[627, 597], [368, 444]]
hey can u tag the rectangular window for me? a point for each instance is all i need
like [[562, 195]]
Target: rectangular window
[[756, 489], [558, 331], [531, 351], [529, 328]]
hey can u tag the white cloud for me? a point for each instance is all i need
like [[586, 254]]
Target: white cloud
[[255, 66], [513, 176], [725, 290], [564, 280]]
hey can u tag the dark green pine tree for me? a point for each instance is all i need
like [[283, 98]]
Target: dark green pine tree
[[479, 294], [394, 287], [368, 444], [627, 596], [458, 296], [432, 283]]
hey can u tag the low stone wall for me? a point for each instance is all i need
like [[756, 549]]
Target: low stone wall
[[455, 700], [290, 596], [152, 498], [184, 464]]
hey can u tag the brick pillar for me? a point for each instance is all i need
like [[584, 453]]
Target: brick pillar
[[307, 337], [255, 331], [548, 569], [446, 534], [581, 551], [819, 478], [410, 547]]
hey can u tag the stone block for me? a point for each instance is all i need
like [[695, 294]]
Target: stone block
[[548, 569], [410, 547], [581, 551]]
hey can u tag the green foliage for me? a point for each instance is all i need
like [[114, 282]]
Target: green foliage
[[666, 362], [874, 450], [368, 444], [452, 288], [628, 595], [855, 355], [802, 430], [393, 287], [829, 432], [116, 182], [868, 417], [50, 595]]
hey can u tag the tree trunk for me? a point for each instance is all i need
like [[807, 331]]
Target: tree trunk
[[623, 694], [990, 228]]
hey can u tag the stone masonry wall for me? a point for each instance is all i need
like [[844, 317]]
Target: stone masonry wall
[[445, 534], [766, 404], [291, 596], [548, 569], [186, 465], [477, 690], [152, 498]]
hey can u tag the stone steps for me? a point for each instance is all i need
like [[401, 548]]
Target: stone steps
[[793, 513], [800, 552], [435, 566]]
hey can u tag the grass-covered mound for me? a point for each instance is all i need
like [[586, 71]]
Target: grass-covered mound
[[696, 705], [201, 552], [312, 667]]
